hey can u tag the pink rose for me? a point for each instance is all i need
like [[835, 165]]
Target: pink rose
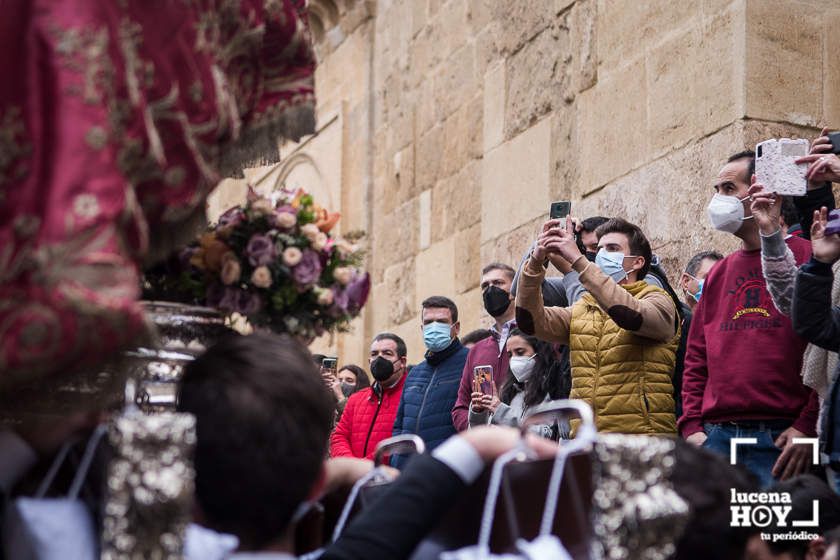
[[262, 207], [261, 277], [310, 231], [285, 220], [320, 241], [325, 297], [292, 256], [343, 275]]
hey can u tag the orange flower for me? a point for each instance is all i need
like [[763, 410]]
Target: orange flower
[[295, 203], [326, 220], [212, 250]]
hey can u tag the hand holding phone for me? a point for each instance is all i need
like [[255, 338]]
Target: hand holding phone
[[483, 380]]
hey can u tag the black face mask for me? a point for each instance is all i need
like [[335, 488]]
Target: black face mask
[[347, 389], [496, 301], [381, 368], [590, 256]]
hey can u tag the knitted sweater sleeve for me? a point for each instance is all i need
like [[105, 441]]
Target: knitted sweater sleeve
[[778, 265]]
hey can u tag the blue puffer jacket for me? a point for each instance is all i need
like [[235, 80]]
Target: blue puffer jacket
[[428, 397]]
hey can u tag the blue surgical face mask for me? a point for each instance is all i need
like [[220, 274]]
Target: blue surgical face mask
[[700, 282], [436, 336], [611, 263]]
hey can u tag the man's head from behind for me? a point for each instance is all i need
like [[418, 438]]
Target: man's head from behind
[[263, 419], [620, 236]]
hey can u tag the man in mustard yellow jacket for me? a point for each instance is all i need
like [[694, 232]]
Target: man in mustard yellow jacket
[[623, 333]]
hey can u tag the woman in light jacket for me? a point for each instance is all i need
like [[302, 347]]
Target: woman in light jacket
[[536, 375]]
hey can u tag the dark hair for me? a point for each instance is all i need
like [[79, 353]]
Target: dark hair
[[441, 302], [263, 418], [746, 154], [789, 212], [589, 225], [635, 239], [592, 223], [362, 380], [803, 490], [832, 537], [546, 379], [401, 348], [475, 336], [499, 266], [704, 480], [694, 262]]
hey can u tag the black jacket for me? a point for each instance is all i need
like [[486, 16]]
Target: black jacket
[[817, 321], [406, 512]]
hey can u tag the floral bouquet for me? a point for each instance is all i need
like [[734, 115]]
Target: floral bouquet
[[275, 264]]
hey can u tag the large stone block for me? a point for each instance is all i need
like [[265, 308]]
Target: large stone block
[[536, 76], [400, 286], [462, 137], [511, 246], [582, 20], [395, 235], [612, 126], [411, 332], [455, 80], [429, 113], [564, 158], [467, 258], [456, 202], [515, 181], [784, 71], [495, 88], [435, 271], [831, 69], [428, 158], [487, 52], [479, 14], [523, 20], [627, 28]]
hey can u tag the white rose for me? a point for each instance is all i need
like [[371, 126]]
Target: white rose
[[325, 297], [286, 220], [310, 231], [261, 277], [262, 207], [320, 241], [343, 275], [292, 256]]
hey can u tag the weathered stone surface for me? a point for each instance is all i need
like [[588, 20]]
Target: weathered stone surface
[[428, 158], [536, 76], [462, 137], [626, 28], [612, 126], [783, 68], [471, 311], [467, 258], [515, 181], [400, 285], [831, 70], [510, 247], [523, 20], [435, 271], [456, 202], [582, 22], [495, 90]]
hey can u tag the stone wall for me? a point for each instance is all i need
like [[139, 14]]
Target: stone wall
[[454, 124]]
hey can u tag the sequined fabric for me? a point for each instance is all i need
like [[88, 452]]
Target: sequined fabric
[[117, 118], [149, 486], [637, 515]]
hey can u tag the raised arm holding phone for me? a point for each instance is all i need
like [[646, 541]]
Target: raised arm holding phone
[[622, 334]]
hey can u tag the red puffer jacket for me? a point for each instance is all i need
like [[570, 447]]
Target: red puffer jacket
[[366, 421]]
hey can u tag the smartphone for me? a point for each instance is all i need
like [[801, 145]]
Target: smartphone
[[329, 365], [775, 167], [834, 138], [483, 380], [560, 209], [833, 225]]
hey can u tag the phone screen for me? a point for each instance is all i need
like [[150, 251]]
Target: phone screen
[[329, 365], [483, 380], [560, 209]]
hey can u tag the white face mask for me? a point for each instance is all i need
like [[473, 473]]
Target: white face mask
[[521, 367], [727, 212]]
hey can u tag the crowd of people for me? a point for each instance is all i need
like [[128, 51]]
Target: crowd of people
[[745, 347]]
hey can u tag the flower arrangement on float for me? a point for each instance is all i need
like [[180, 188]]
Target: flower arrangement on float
[[275, 263]]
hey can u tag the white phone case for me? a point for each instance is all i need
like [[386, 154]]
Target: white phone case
[[775, 167]]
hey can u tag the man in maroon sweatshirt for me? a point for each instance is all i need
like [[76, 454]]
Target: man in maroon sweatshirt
[[743, 358], [496, 280]]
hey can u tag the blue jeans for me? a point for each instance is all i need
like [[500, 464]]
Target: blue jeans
[[759, 458]]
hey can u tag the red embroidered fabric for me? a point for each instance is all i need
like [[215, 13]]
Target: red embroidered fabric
[[116, 120]]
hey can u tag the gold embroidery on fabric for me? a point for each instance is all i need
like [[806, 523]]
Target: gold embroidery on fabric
[[96, 137], [14, 146]]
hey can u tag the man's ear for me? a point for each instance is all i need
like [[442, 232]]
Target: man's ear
[[638, 263], [318, 487], [456, 328], [683, 283]]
